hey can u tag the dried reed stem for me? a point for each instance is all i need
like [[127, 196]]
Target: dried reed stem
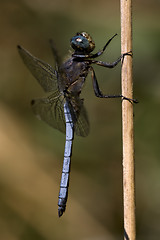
[[127, 123]]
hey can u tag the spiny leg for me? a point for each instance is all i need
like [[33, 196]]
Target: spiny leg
[[113, 64], [102, 51], [99, 94]]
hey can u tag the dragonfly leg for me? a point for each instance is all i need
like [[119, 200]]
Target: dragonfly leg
[[102, 51], [108, 65], [99, 94], [113, 64]]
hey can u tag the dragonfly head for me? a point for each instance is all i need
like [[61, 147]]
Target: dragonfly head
[[82, 42]]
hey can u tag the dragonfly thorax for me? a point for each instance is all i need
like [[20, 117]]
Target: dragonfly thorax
[[73, 74]]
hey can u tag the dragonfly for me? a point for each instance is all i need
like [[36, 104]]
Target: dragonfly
[[64, 109]]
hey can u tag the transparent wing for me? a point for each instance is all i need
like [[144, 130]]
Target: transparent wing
[[54, 52], [82, 123], [51, 111], [43, 72], [80, 118]]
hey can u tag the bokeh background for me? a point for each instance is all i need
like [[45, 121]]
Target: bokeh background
[[31, 153]]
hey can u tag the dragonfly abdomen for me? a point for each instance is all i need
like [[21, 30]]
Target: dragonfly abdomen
[[63, 193]]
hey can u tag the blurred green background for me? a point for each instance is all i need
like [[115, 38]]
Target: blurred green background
[[31, 153]]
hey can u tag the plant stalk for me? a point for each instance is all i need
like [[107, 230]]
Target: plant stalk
[[127, 123]]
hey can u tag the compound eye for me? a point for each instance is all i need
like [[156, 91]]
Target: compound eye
[[80, 43]]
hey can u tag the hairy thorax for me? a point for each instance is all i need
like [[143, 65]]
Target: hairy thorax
[[73, 74]]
